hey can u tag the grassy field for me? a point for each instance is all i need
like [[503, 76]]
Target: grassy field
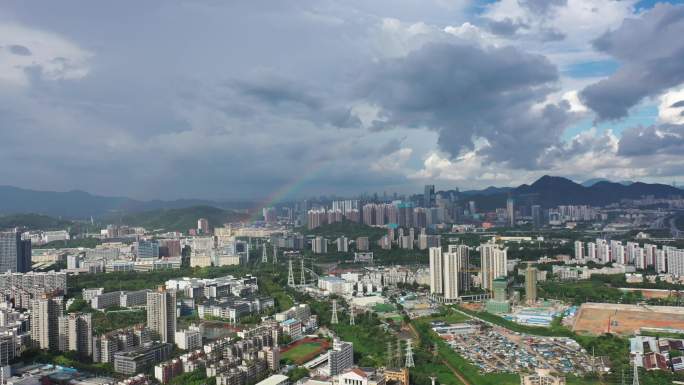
[[384, 308], [302, 351]]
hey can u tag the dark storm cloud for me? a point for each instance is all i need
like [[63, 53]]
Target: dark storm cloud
[[678, 104], [651, 52], [466, 92], [506, 27], [652, 140], [296, 98], [19, 50]]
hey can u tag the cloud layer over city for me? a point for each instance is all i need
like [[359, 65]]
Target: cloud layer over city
[[245, 100]]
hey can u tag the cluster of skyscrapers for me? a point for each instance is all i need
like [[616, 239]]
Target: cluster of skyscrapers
[[451, 272], [402, 214]]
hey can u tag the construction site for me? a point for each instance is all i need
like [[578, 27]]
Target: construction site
[[599, 318]]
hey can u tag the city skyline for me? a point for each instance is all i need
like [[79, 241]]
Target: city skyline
[[168, 100]]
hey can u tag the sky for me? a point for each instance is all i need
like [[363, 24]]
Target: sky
[[269, 100]]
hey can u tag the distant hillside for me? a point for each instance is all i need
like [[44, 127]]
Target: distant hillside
[[591, 182], [491, 190], [83, 205], [179, 219], [550, 191], [33, 222]]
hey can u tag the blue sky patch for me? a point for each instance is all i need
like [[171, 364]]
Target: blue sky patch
[[648, 4], [591, 69], [645, 116]]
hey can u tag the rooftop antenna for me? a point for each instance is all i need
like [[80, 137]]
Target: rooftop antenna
[[334, 313]]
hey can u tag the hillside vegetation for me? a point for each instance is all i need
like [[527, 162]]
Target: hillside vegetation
[[180, 219], [34, 222]]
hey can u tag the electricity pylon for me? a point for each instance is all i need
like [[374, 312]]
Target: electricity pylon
[[290, 274], [409, 354], [334, 313]]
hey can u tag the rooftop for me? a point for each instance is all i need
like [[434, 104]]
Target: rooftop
[[275, 379]]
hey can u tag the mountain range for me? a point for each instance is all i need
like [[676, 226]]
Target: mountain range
[[551, 191], [83, 205], [548, 191]]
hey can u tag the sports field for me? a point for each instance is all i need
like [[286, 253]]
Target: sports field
[[304, 350], [384, 308], [599, 318]]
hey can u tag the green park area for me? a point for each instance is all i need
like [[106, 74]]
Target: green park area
[[384, 308], [303, 352]]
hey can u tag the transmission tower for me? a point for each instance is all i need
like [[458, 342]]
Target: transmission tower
[[290, 274], [275, 254], [334, 313], [432, 379], [409, 354], [390, 355], [398, 359], [351, 316], [264, 254], [302, 277]]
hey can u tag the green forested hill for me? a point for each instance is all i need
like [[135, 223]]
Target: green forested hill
[[179, 219]]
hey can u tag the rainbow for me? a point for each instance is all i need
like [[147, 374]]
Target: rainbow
[[290, 188]]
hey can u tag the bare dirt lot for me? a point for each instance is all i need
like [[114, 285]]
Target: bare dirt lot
[[598, 318]]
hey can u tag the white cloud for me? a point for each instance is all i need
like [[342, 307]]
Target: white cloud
[[395, 38], [23, 49], [576, 104], [470, 32], [580, 21], [667, 111], [367, 114], [393, 162]]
